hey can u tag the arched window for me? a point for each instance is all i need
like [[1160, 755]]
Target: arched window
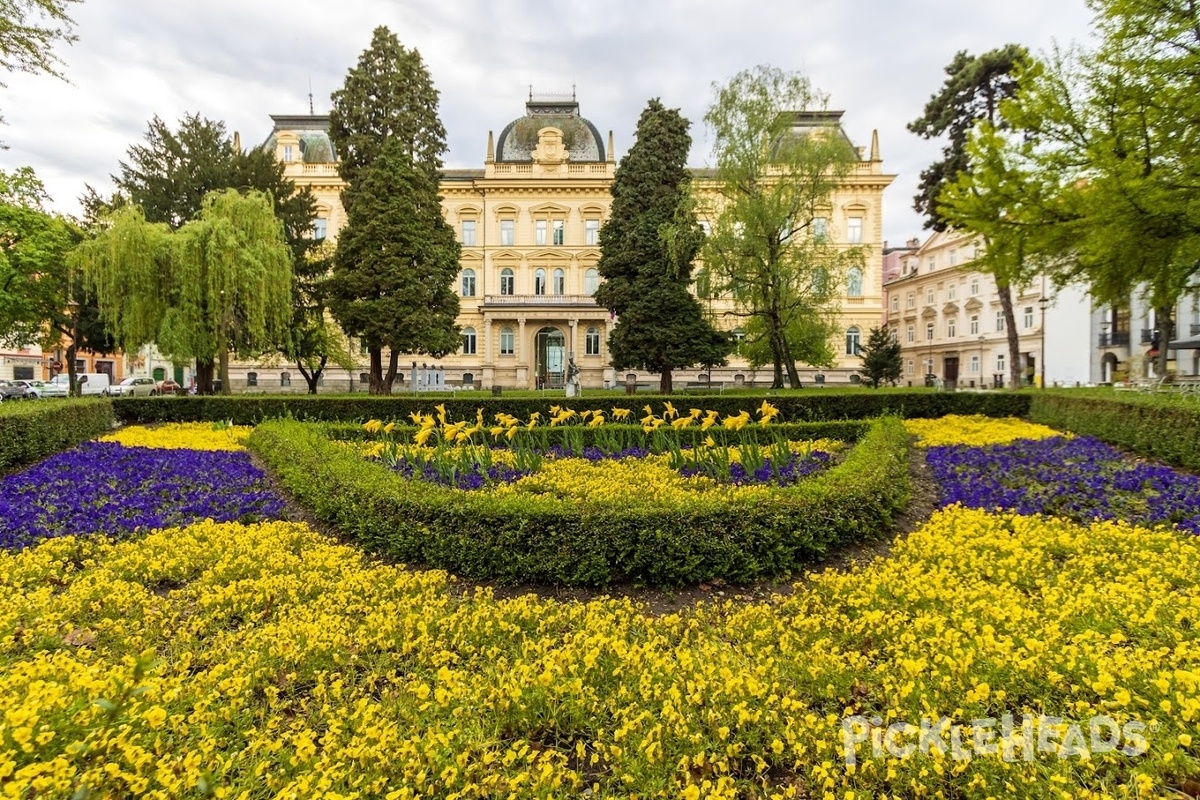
[[560, 281], [591, 281], [853, 341], [507, 341], [591, 342], [508, 282], [468, 283], [468, 379], [252, 379], [364, 377], [854, 280], [285, 379], [539, 281], [468, 341]]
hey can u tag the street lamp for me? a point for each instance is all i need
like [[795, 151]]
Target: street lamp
[[73, 350], [1043, 301], [982, 339]]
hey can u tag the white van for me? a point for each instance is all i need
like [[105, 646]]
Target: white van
[[90, 383]]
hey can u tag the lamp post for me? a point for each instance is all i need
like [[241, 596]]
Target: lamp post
[[929, 360], [982, 339], [73, 350], [1043, 301]]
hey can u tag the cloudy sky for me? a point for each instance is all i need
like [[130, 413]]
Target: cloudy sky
[[241, 60]]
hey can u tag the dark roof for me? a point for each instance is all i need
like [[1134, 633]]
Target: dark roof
[[313, 129], [519, 138]]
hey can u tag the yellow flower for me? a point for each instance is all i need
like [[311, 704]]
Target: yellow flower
[[372, 426], [496, 431], [596, 421], [422, 436], [155, 717], [415, 416], [681, 422], [441, 412], [695, 413], [709, 442], [391, 426], [670, 412], [621, 413]]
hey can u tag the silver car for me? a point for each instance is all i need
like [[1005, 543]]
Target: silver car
[[32, 388], [132, 387]]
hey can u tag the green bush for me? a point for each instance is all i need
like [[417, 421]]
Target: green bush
[[545, 540], [807, 406], [1168, 431], [34, 429]]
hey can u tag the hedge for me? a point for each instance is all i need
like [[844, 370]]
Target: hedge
[[1167, 431], [550, 541], [814, 405], [34, 429]]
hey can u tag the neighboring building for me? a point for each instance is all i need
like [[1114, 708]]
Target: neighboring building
[[21, 363], [529, 224]]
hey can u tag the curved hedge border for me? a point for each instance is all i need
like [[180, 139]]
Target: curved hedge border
[[34, 429], [815, 405], [1168, 430], [541, 540]]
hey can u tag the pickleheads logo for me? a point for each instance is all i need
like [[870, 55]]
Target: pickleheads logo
[[1019, 738]]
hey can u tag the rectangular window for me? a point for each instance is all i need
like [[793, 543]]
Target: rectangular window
[[929, 296], [910, 335], [507, 227], [999, 321], [908, 366], [974, 286], [854, 230], [1028, 320], [895, 303], [911, 300], [591, 231], [820, 228], [592, 342], [1000, 362], [287, 153], [953, 256], [952, 291], [932, 263], [508, 282], [468, 232], [974, 324], [539, 232], [320, 229], [951, 328], [974, 365], [559, 232], [507, 342]]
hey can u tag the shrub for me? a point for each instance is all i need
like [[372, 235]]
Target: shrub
[[1167, 431], [545, 540], [36, 429]]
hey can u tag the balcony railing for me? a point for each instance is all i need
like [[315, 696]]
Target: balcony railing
[[1114, 339], [541, 300]]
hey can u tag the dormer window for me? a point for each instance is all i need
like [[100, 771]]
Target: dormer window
[[288, 153]]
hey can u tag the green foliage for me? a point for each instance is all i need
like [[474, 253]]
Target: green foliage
[[777, 165], [881, 357], [808, 406], [34, 430], [29, 32], [1148, 426], [647, 248], [526, 539]]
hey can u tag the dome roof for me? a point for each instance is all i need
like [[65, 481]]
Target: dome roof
[[313, 131], [520, 137]]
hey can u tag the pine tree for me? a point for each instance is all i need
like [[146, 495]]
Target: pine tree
[[397, 257], [647, 247], [881, 358]]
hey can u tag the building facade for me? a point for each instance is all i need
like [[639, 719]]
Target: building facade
[[529, 222]]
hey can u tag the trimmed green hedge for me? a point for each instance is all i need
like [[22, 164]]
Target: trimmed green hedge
[[815, 405], [34, 429], [545, 540], [1167, 431]]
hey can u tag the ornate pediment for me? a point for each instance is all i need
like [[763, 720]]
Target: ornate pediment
[[929, 312], [973, 304], [950, 308], [506, 255]]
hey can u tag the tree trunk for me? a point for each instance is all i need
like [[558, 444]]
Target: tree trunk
[[777, 352], [72, 381], [664, 382], [204, 377], [790, 364], [1014, 344], [393, 367], [376, 385], [311, 378], [223, 362], [1166, 324]]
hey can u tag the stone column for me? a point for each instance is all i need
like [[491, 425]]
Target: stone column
[[522, 364]]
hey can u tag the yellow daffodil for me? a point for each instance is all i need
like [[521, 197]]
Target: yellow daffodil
[[621, 413], [596, 421], [391, 426], [670, 412], [373, 425]]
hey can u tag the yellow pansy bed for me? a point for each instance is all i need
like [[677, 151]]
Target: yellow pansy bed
[[268, 661], [975, 430], [584, 524], [183, 435]]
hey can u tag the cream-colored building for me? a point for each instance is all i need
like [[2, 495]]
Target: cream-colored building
[[946, 314], [529, 223]]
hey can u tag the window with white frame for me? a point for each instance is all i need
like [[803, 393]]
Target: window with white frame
[[974, 286], [508, 229], [591, 280], [560, 281], [468, 283], [1000, 321], [591, 342], [558, 227], [288, 152], [468, 233], [929, 296], [508, 281], [507, 341], [952, 292], [910, 334], [975, 365], [539, 281], [953, 256], [320, 228], [909, 367], [895, 304], [1028, 317], [854, 230], [911, 300], [1000, 362], [951, 328], [468, 341], [820, 228], [974, 324], [853, 341], [591, 232], [929, 331], [932, 263], [539, 231], [854, 281]]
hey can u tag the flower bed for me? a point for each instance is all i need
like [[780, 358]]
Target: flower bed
[[229, 661], [975, 430], [183, 436], [106, 488]]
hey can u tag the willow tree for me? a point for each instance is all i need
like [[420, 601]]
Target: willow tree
[[220, 283]]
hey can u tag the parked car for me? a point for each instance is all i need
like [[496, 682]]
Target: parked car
[[132, 387], [168, 386], [11, 391], [58, 386], [90, 383], [32, 388]]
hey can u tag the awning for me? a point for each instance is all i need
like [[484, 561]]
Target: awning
[[1185, 344]]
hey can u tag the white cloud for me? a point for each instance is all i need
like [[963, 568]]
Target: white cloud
[[238, 62]]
